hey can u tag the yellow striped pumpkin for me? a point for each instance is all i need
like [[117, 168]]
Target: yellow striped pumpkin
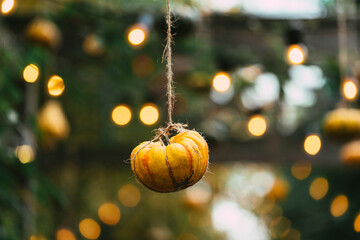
[[173, 167]]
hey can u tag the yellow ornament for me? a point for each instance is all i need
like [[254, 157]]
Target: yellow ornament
[[44, 32], [350, 153], [342, 123]]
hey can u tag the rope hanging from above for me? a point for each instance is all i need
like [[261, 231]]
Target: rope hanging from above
[[169, 73], [167, 164]]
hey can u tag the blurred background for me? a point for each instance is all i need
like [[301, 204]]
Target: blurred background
[[271, 84]]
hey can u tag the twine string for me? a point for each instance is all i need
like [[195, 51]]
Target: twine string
[[167, 55]]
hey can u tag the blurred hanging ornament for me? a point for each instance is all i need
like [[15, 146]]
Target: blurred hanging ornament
[[342, 123], [53, 123], [93, 45], [350, 153], [169, 165], [44, 32]]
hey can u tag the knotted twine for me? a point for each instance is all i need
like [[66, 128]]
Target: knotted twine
[[167, 56]]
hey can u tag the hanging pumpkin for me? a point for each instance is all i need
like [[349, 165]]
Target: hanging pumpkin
[[44, 32], [342, 123], [183, 159], [174, 167], [350, 153]]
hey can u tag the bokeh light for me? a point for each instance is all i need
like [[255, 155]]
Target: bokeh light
[[198, 194], [339, 206], [64, 234], [301, 170], [121, 115], [236, 222], [109, 214], [89, 229], [7, 6], [149, 114], [280, 189], [129, 195], [357, 223], [257, 126], [93, 46], [52, 120], [221, 82], [319, 188], [350, 90], [137, 35], [312, 144], [31, 73], [56, 86], [296, 54], [25, 153]]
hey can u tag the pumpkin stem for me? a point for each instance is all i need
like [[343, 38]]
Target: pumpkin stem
[[165, 140]]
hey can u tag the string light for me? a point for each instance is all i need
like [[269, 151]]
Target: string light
[[257, 126], [221, 82], [350, 90], [137, 35], [339, 206], [31, 73], [296, 54], [7, 6], [121, 115], [64, 234], [25, 153], [312, 144], [319, 188], [149, 114], [89, 229], [109, 214], [56, 86]]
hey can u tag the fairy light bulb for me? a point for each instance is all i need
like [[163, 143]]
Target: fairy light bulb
[[137, 34], [31, 73], [121, 115], [221, 82], [7, 6], [296, 54], [56, 86], [149, 114], [350, 90], [257, 126], [312, 144]]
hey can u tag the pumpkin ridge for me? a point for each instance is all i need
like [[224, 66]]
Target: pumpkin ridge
[[136, 174], [170, 170], [146, 165], [192, 170]]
